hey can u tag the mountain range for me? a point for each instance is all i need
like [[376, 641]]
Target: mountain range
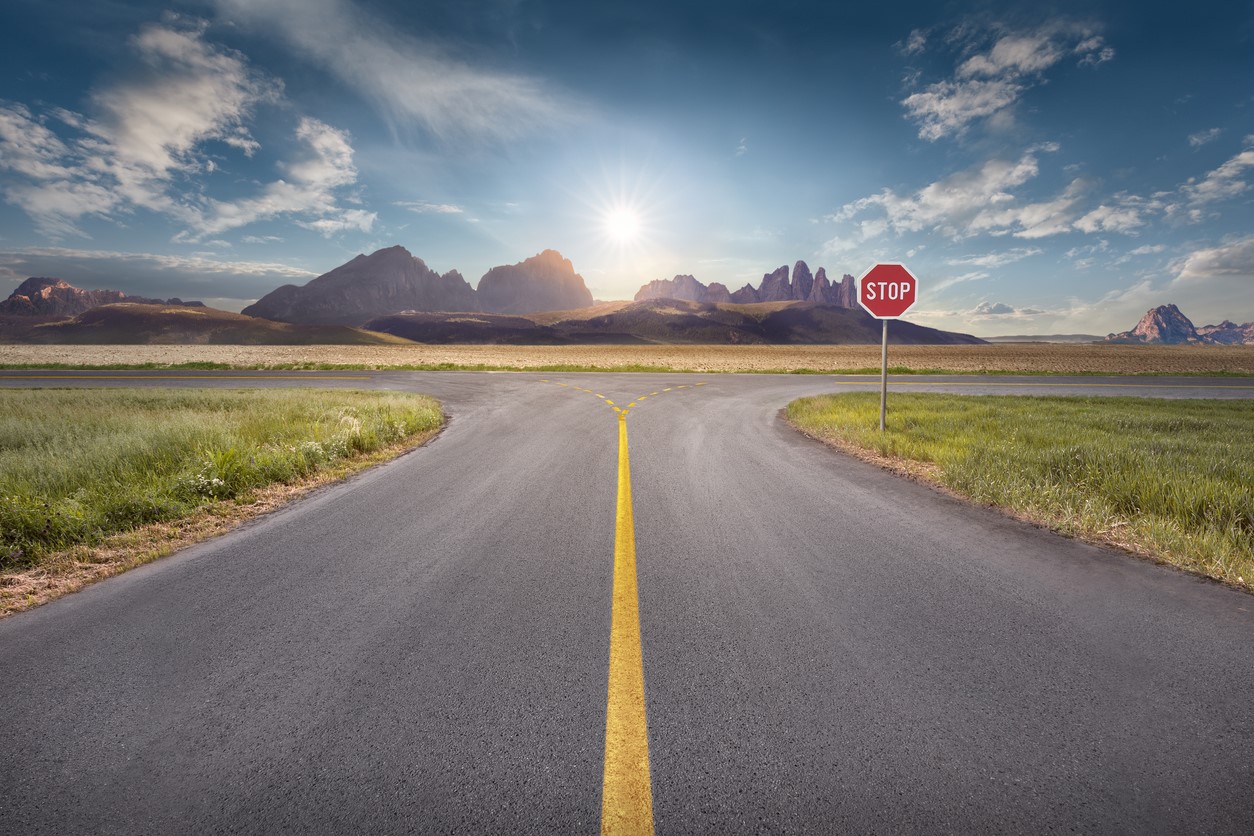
[[776, 286], [392, 280], [1166, 325], [391, 296]]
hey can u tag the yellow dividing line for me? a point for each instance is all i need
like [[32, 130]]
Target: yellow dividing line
[[626, 795], [976, 382], [182, 377]]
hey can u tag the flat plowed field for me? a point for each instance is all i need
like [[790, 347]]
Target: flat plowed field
[[1028, 358]]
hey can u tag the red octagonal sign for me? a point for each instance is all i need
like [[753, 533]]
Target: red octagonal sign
[[887, 290]]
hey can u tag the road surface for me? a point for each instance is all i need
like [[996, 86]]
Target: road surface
[[824, 647]]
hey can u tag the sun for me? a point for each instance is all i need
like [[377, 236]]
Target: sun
[[622, 224]]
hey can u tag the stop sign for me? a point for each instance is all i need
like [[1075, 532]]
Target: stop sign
[[887, 290]]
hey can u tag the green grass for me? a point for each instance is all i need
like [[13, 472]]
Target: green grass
[[1174, 478], [79, 465]]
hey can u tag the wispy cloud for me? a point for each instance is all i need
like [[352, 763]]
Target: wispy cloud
[[422, 207], [946, 283], [915, 43], [989, 82], [743, 147], [413, 82], [1200, 138], [996, 259]]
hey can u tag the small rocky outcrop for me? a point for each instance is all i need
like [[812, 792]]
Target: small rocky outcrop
[[58, 299], [1164, 325], [1227, 333]]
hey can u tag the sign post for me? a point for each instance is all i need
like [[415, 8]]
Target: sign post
[[886, 291]]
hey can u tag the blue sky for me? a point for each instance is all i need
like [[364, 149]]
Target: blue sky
[[1042, 168]]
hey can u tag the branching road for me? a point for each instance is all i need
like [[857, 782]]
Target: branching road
[[813, 646]]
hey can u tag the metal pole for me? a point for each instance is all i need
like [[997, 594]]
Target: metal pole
[[884, 377]]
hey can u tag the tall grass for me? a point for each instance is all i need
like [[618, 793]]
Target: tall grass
[[79, 465], [1173, 477]]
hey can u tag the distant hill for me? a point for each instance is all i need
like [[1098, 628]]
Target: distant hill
[[776, 286], [1166, 325], [666, 321], [128, 323], [392, 280], [45, 297]]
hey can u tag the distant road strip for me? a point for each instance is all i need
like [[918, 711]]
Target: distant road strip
[[184, 377], [974, 380]]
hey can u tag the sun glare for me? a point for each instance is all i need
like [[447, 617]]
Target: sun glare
[[622, 225]]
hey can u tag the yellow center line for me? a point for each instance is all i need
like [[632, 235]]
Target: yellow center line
[[626, 794]]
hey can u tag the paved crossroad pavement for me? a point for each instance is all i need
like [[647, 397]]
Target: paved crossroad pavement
[[825, 647]]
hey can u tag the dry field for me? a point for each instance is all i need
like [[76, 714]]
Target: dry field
[[1027, 358]]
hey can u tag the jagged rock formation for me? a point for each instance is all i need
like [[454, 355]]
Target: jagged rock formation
[[776, 286], [385, 281], [1166, 325], [57, 298], [544, 282], [802, 282], [1227, 333]]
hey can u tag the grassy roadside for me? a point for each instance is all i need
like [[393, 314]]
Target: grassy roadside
[[1168, 479], [96, 481]]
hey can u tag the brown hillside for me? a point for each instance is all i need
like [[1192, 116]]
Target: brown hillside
[[138, 324]]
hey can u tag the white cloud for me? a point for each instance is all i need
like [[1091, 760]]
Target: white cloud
[[411, 81], [977, 200], [1225, 182], [153, 131], [186, 92], [28, 147], [1234, 260], [947, 107], [987, 310], [1200, 138], [1124, 218], [986, 84], [1148, 249], [743, 147]]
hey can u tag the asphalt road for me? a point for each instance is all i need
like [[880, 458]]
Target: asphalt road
[[826, 648]]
